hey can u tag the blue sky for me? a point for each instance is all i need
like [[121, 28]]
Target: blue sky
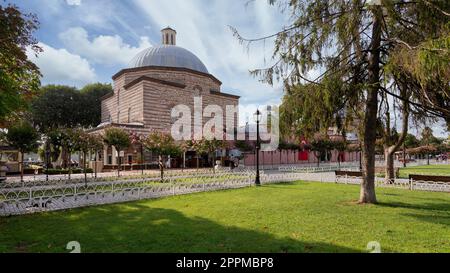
[[90, 40]]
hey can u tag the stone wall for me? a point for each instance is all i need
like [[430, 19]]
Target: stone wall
[[151, 102]]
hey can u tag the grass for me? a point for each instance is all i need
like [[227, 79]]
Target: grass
[[296, 217], [426, 170]]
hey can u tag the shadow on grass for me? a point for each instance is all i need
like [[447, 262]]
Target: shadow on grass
[[439, 207], [436, 213], [134, 227], [434, 219]]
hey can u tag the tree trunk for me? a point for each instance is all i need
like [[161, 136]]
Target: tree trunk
[[118, 163], [214, 163], [389, 166], [198, 162], [70, 164], [21, 166], [339, 160], [95, 165], [389, 151], [404, 155], [161, 168], [318, 156], [367, 193], [84, 168]]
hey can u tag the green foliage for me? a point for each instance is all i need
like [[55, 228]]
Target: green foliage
[[321, 146], [244, 146], [91, 95], [59, 106], [300, 113], [19, 77], [161, 144], [23, 137], [207, 146], [411, 141], [288, 146], [339, 145], [427, 136], [95, 143], [117, 137]]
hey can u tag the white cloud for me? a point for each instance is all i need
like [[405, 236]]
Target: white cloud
[[58, 66], [73, 2], [103, 49], [203, 29]]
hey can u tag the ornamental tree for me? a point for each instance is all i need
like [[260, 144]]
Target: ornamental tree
[[119, 139], [162, 144], [95, 143], [24, 138]]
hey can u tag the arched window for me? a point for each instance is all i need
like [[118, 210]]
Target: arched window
[[171, 40], [167, 38]]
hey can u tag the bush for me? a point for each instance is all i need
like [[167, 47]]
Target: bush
[[66, 171]]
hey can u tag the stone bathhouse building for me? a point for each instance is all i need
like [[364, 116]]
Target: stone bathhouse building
[[157, 79]]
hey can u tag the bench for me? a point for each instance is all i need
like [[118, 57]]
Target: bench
[[429, 182], [346, 175], [429, 178]]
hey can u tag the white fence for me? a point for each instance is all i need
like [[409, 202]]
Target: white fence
[[410, 184], [23, 199], [37, 196]]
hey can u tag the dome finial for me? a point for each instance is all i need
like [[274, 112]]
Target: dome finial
[[169, 36]]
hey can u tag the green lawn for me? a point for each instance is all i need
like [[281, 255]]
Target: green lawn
[[297, 217], [426, 170]]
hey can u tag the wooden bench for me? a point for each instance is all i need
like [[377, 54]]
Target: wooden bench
[[429, 178], [346, 175]]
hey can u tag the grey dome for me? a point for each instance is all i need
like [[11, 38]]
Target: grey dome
[[168, 56]]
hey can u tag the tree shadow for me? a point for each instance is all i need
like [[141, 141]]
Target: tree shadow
[[136, 227], [441, 207], [434, 219], [436, 213]]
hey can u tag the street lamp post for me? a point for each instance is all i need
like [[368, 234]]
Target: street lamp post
[[258, 146]]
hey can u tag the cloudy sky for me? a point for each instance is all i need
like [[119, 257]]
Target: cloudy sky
[[90, 40]]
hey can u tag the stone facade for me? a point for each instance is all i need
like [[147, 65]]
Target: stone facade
[[147, 95], [159, 79], [143, 99]]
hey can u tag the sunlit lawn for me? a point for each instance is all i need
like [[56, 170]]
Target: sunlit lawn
[[297, 217], [426, 170]]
